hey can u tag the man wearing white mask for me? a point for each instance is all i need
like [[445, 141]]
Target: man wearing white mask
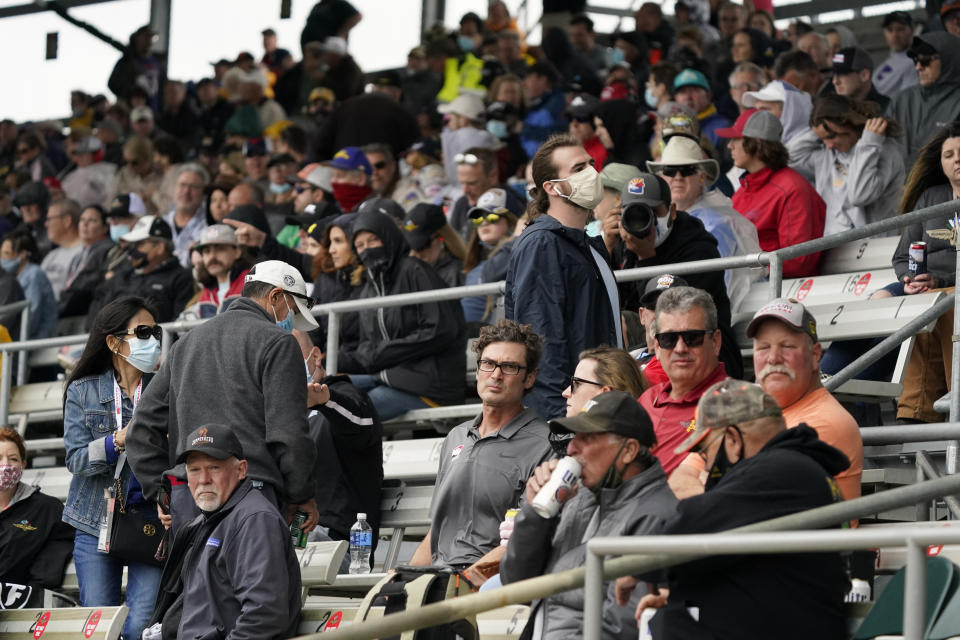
[[559, 280]]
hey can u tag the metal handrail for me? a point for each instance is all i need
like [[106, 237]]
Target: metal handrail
[[915, 539], [543, 586], [23, 306]]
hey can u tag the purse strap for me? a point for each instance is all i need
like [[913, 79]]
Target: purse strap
[[118, 416]]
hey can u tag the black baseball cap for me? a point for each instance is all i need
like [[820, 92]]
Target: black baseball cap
[[656, 286], [215, 440], [611, 412], [388, 78], [897, 16], [851, 60], [421, 223]]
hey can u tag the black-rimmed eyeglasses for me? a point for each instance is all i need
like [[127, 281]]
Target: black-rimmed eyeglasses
[[575, 383], [507, 368]]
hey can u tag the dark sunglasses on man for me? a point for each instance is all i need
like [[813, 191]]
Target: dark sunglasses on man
[[685, 170], [922, 60], [691, 338]]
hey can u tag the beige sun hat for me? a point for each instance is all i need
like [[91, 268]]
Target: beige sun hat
[[682, 151]]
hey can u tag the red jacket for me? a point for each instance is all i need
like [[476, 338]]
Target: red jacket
[[786, 211], [209, 305]]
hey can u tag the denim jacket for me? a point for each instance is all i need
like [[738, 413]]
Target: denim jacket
[[88, 426]]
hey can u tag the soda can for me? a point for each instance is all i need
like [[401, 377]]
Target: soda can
[[917, 258], [564, 478], [297, 535]]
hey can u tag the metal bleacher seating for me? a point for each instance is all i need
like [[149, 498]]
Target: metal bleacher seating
[[99, 623]]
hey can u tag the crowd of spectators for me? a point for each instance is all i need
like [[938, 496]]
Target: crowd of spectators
[[293, 178]]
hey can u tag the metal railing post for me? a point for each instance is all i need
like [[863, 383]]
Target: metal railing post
[[333, 342], [923, 510], [165, 343], [593, 595], [915, 592], [953, 447], [776, 276], [6, 373], [925, 465], [23, 355]]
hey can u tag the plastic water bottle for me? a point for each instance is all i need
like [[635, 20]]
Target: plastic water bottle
[[361, 544]]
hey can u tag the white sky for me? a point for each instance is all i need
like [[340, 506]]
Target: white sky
[[201, 31]]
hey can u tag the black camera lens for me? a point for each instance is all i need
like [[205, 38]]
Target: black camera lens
[[638, 219]]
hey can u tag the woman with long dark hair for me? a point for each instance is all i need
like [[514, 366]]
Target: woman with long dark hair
[[340, 277], [102, 392]]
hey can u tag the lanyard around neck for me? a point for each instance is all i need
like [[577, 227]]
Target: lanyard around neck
[[118, 401]]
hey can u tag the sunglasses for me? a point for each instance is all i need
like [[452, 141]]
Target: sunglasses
[[307, 300], [923, 60], [466, 158], [582, 119], [575, 383], [686, 171], [143, 332], [479, 217], [22, 150], [380, 165], [691, 338]]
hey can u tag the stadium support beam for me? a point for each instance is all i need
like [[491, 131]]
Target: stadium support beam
[[431, 12], [160, 23]]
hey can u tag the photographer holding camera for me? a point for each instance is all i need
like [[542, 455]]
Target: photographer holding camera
[[655, 233]]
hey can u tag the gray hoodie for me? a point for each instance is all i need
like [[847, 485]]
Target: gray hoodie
[[539, 546], [922, 111], [860, 186]]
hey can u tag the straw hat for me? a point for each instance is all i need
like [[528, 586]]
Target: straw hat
[[682, 151]]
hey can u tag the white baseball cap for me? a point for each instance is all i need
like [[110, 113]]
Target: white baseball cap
[[773, 92], [468, 105], [280, 274]]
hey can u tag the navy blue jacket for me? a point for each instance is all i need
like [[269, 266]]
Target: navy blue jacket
[[554, 284]]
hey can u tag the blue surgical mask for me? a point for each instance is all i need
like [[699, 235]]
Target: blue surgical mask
[[498, 128], [650, 99], [144, 354], [465, 43], [279, 188], [615, 56], [117, 230], [594, 229], [287, 323], [10, 265]]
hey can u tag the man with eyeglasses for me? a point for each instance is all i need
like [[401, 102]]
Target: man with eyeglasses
[[924, 109], [485, 462], [242, 368], [758, 470], [188, 216], [477, 173], [688, 347]]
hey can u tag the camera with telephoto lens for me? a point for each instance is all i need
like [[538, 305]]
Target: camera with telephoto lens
[[638, 219]]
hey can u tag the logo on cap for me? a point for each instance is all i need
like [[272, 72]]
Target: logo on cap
[[288, 280], [589, 405], [838, 58], [665, 281], [410, 225], [342, 154], [636, 187], [311, 227], [201, 438]]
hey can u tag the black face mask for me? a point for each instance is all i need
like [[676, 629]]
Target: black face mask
[[722, 464], [137, 258], [375, 259]]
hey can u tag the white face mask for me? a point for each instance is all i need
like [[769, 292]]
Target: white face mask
[[586, 188], [664, 227]]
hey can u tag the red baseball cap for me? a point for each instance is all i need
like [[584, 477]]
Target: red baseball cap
[[736, 131]]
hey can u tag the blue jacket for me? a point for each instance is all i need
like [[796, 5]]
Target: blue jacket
[[88, 426], [544, 118], [554, 284]]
